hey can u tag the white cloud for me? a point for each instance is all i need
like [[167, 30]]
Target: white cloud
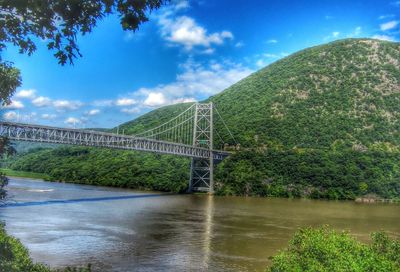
[[185, 31], [26, 94], [62, 105], [183, 100], [155, 99], [125, 102], [387, 16], [182, 5], [93, 112], [15, 104], [389, 25], [335, 34], [357, 31], [272, 41], [17, 117], [103, 103], [42, 101], [269, 55], [384, 38], [130, 110], [10, 116], [48, 116], [239, 44], [72, 121], [267, 58], [196, 81], [129, 35]]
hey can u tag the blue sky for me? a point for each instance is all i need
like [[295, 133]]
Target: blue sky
[[188, 51]]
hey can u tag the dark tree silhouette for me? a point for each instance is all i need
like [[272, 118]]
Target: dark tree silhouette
[[6, 148]]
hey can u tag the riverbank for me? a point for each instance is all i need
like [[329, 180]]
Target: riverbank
[[46, 177], [24, 174]]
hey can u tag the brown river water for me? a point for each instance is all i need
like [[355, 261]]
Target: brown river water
[[126, 230]]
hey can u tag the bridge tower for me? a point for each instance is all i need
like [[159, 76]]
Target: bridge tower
[[202, 169]]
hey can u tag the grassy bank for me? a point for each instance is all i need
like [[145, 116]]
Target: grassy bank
[[24, 174]]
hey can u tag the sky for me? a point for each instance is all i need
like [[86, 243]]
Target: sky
[[188, 51]]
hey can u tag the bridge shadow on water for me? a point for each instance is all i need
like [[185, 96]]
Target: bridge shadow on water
[[78, 200]]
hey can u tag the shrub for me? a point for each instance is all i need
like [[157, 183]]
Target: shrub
[[327, 250]]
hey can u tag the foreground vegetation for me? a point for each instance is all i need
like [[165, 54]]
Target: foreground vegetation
[[325, 250], [14, 257]]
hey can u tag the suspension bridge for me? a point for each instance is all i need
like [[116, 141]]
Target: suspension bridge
[[190, 134]]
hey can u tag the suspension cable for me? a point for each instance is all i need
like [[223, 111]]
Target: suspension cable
[[166, 123], [233, 137]]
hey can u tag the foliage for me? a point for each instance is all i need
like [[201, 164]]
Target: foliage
[[6, 148], [3, 184], [14, 257], [10, 79], [323, 250], [310, 173], [58, 22], [107, 167]]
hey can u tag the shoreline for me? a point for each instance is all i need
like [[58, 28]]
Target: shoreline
[[44, 177]]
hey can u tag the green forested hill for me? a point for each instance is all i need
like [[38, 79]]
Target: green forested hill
[[348, 90], [323, 122]]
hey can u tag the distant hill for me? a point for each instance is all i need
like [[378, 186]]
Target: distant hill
[[344, 91]]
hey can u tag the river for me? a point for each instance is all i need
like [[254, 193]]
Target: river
[[125, 230]]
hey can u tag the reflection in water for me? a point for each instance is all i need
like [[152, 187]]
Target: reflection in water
[[208, 225], [172, 232]]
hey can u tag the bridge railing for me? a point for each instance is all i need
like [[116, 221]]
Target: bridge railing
[[47, 134]]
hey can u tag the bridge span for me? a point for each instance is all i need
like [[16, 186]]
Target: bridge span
[[189, 134]]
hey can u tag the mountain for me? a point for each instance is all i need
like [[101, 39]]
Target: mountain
[[344, 91], [321, 123]]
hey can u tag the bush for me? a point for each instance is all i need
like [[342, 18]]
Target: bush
[[327, 250]]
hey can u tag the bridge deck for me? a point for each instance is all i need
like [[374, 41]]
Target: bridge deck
[[46, 134]]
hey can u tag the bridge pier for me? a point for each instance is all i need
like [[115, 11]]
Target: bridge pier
[[202, 169]]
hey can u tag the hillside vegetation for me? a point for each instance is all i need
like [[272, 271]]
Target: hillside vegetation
[[323, 122]]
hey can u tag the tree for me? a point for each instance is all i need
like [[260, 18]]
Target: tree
[[6, 148], [58, 22]]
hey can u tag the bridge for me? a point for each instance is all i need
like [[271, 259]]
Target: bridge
[[189, 134]]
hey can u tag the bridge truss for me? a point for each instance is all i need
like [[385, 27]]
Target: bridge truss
[[189, 134]]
